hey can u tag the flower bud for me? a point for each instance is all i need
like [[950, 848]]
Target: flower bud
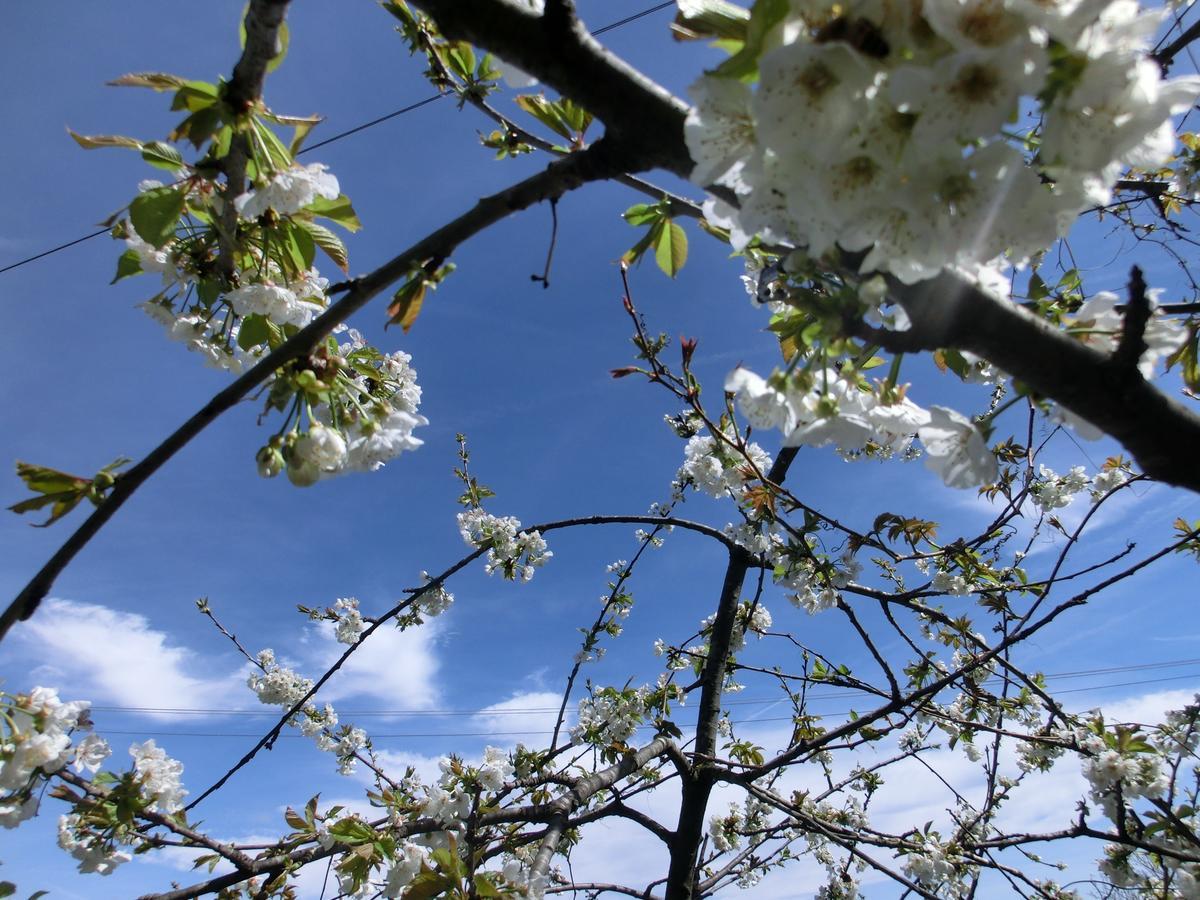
[[303, 474], [270, 462]]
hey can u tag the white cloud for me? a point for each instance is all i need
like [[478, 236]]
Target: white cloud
[[531, 711], [118, 658], [397, 669]]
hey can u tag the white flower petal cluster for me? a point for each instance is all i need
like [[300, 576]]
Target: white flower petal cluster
[[716, 469], [343, 744], [35, 741], [1053, 491], [151, 258], [938, 866], [406, 865], [93, 852], [955, 449], [1115, 776], [37, 737], [825, 407], [814, 584], [90, 753], [1108, 480], [276, 685], [1099, 324], [609, 716], [436, 601], [318, 453], [518, 877], [350, 624], [209, 336], [289, 191], [280, 303], [495, 769], [882, 128], [158, 777], [511, 552]]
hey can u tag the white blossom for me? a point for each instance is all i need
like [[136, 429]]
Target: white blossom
[[158, 777], [955, 449], [289, 191]]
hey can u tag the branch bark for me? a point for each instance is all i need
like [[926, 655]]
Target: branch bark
[[558, 50]]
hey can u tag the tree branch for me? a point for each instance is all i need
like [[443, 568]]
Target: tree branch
[[558, 50], [946, 311]]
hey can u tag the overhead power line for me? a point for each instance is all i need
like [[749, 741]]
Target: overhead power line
[[535, 710], [337, 137], [539, 733]]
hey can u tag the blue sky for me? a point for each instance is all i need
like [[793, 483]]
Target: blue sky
[[521, 370]]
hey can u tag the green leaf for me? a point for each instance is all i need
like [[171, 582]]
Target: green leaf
[[195, 96], [199, 126], [485, 888], [95, 141], [298, 245], [670, 248], [635, 253], [352, 831], [764, 16], [642, 213], [460, 58], [561, 116], [278, 155], [155, 213], [253, 331], [164, 156], [7, 888], [1037, 287], [329, 242], [128, 263], [338, 210]]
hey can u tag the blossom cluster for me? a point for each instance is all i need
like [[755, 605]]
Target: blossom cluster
[[35, 742], [372, 426], [715, 468], [938, 866], [884, 129], [277, 685], [610, 716], [238, 278], [826, 407], [511, 551]]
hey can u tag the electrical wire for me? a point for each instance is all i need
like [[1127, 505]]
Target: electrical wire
[[407, 735], [337, 137]]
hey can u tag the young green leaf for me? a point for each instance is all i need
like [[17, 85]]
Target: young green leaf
[[155, 213], [163, 156], [338, 210], [329, 242], [128, 263], [670, 247]]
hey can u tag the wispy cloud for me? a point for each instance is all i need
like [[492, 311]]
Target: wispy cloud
[[393, 669], [119, 658]]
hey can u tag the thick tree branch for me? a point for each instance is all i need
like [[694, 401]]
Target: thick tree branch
[[1158, 431], [558, 50], [697, 787]]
